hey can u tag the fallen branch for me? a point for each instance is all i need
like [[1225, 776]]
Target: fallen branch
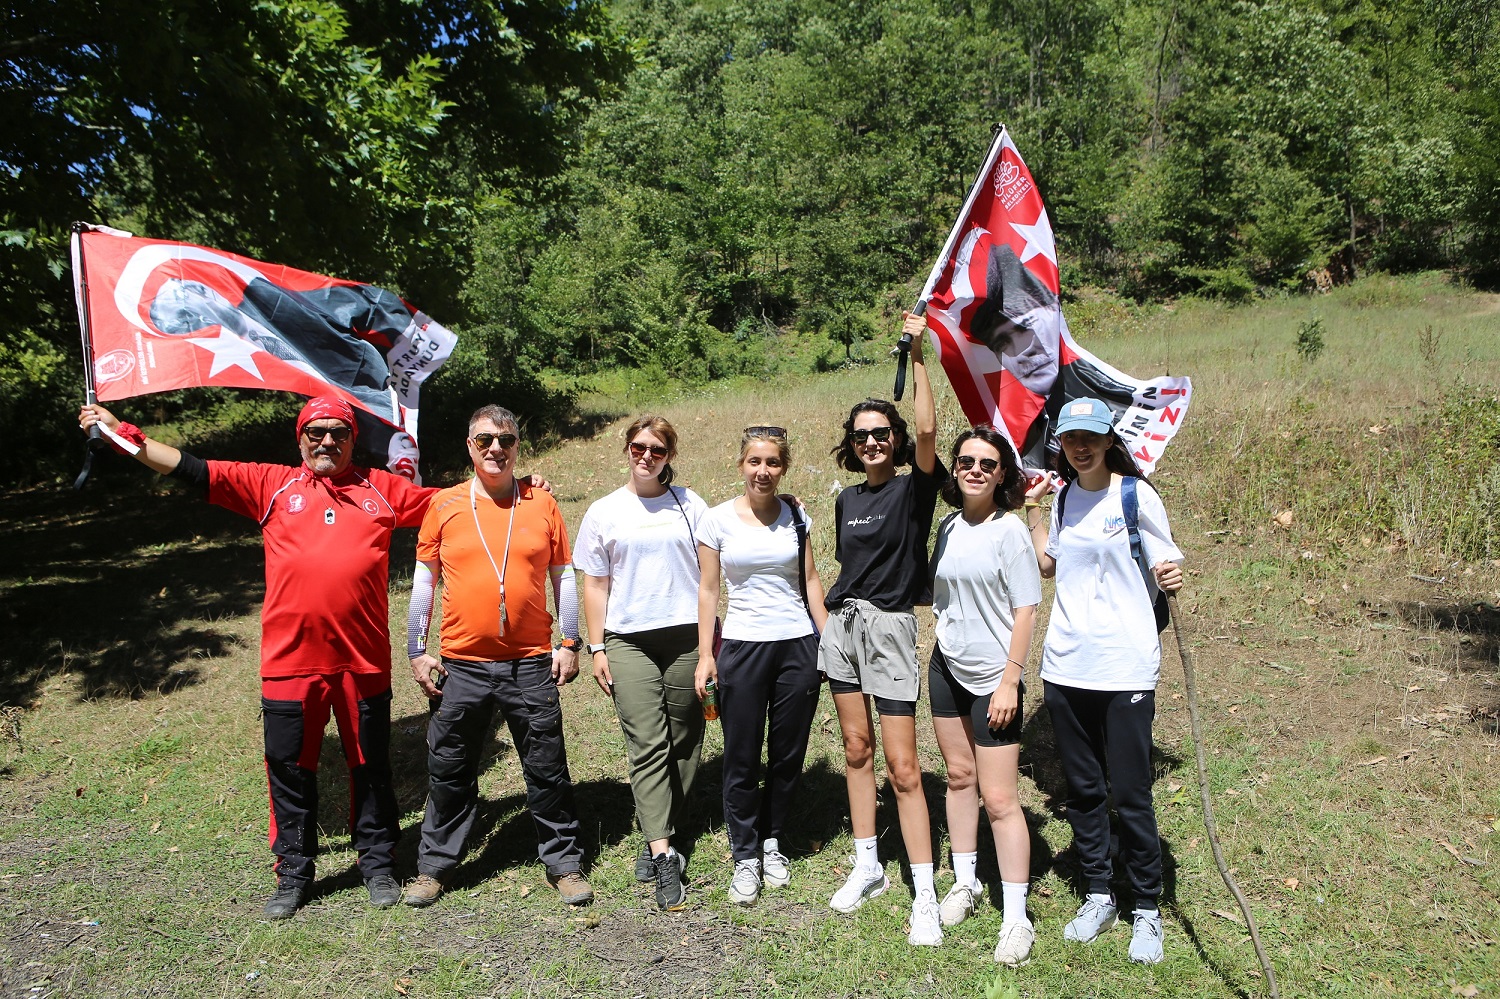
[[1208, 809]]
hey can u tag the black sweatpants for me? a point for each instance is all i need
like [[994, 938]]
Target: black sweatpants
[[760, 682], [1104, 740]]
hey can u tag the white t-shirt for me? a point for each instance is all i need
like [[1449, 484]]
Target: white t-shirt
[[981, 574], [1102, 633], [760, 566], [646, 547]]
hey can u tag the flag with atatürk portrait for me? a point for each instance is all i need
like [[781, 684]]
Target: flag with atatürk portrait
[[993, 313], [159, 315]]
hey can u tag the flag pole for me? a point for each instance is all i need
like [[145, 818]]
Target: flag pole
[[81, 293], [903, 346]]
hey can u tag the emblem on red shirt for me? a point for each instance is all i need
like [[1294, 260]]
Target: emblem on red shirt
[[370, 507], [296, 503]]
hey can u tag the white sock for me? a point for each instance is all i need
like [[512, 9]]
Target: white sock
[[964, 865], [1013, 901], [921, 879], [865, 855], [1102, 899]]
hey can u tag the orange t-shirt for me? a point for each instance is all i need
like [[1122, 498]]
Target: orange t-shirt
[[471, 589]]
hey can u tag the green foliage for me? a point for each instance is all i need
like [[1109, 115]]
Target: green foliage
[[1310, 339]]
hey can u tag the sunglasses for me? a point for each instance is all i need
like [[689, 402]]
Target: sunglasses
[[639, 451], [766, 431], [315, 435], [483, 441], [964, 462], [881, 434]]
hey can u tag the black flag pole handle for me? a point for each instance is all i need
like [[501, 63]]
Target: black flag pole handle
[[903, 353]]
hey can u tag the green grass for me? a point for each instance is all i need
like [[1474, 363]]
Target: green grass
[[1350, 711]]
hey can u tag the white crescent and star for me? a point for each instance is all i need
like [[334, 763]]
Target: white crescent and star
[[229, 351]]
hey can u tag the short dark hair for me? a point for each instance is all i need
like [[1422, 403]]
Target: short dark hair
[[498, 415], [1117, 459], [662, 428], [902, 452], [1010, 491]]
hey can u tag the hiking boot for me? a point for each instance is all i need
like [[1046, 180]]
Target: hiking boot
[[744, 886], [291, 895], [959, 904], [864, 883], [1145, 937], [645, 871], [385, 891], [573, 888], [1014, 946], [1094, 917], [773, 865], [926, 921], [423, 891], [667, 870]]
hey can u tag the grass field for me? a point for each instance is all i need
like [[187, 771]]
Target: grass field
[[1344, 575]]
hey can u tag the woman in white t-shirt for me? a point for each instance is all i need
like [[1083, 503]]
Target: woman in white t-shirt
[[637, 551], [767, 668], [985, 592], [1102, 658]]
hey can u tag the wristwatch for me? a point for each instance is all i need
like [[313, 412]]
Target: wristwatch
[[571, 644], [592, 649]]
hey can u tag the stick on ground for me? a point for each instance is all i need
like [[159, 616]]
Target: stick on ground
[[1208, 808]]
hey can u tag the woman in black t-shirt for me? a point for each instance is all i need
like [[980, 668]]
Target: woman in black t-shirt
[[869, 648]]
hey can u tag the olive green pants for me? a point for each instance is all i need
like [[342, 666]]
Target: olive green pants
[[661, 717]]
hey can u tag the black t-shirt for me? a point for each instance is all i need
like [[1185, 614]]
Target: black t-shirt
[[880, 539]]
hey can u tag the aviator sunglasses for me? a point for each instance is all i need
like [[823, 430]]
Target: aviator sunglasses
[[964, 462], [639, 451], [315, 435], [483, 441], [881, 434]]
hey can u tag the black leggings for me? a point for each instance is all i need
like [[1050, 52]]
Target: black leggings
[[1104, 741]]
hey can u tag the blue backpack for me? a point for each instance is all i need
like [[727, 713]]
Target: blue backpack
[[1132, 508]]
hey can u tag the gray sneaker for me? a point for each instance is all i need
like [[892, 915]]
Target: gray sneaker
[[645, 871], [1145, 937], [744, 886], [667, 869], [1094, 917], [773, 865]]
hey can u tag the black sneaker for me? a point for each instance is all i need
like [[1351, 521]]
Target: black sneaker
[[645, 870], [385, 891], [668, 869], [291, 895]]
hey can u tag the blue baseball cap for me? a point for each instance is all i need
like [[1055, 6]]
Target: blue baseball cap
[[1085, 414]]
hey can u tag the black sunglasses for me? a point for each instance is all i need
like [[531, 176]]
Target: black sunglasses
[[881, 434], [315, 435], [483, 441], [639, 451], [964, 462], [766, 431]]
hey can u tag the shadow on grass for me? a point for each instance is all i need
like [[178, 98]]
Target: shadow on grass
[[1476, 629]]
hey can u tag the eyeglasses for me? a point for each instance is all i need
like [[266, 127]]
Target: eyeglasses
[[881, 434], [766, 431], [315, 435], [639, 451], [483, 441], [964, 462]]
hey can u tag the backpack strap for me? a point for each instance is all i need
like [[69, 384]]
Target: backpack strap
[[800, 523], [1131, 506]]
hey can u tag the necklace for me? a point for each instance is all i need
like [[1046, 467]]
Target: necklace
[[515, 498]]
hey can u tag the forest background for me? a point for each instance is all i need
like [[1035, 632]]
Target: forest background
[[660, 191]]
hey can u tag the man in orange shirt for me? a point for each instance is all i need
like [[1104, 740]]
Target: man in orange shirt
[[495, 541]]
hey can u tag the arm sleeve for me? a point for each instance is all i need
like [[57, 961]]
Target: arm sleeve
[[193, 470], [565, 591], [419, 613]]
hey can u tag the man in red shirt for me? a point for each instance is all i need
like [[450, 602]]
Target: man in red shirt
[[325, 637]]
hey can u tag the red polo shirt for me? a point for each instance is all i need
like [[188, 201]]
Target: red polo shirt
[[328, 543]]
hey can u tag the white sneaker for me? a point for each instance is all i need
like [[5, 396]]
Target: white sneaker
[[744, 886], [1014, 946], [1094, 917], [864, 883], [960, 902], [773, 865], [926, 921], [1145, 938]]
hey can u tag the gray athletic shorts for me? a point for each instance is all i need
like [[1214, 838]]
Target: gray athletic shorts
[[872, 648]]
